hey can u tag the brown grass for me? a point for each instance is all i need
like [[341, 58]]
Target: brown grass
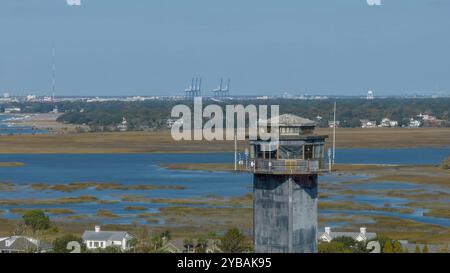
[[12, 164], [161, 141]]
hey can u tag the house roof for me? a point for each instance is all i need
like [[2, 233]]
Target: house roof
[[333, 235], [177, 244], [22, 243], [90, 235], [291, 120]]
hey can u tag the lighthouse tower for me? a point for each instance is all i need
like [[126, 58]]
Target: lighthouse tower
[[285, 187]]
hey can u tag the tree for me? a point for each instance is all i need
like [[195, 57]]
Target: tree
[[166, 235], [397, 247], [388, 247], [234, 242], [188, 244], [214, 240], [382, 239], [60, 244], [351, 244], [334, 247], [142, 241], [36, 219], [446, 164], [417, 249], [110, 249], [157, 243], [425, 249], [202, 244]]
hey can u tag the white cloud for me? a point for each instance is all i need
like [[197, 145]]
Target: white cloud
[[374, 2], [73, 2]]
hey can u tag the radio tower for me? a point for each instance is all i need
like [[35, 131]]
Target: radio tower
[[53, 72]]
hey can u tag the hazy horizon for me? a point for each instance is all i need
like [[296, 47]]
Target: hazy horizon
[[124, 48]]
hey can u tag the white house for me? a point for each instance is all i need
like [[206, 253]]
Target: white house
[[123, 126], [388, 123], [361, 236], [413, 123], [368, 123], [331, 124], [10, 110], [98, 239]]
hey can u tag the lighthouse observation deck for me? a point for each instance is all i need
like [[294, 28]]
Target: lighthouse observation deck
[[297, 151]]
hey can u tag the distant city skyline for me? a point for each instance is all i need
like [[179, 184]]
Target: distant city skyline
[[126, 48]]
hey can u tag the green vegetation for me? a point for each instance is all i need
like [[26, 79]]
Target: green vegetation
[[333, 247], [188, 244], [59, 201], [202, 244], [55, 211], [36, 220], [234, 242], [243, 201], [417, 249], [343, 245], [153, 114], [348, 205], [60, 243], [446, 164]]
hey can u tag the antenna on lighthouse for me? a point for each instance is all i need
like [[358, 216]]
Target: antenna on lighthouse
[[53, 70]]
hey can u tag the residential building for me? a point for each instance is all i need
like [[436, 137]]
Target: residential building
[[388, 123], [98, 239], [23, 244], [331, 124], [413, 123], [178, 246], [10, 110], [31, 98], [365, 123], [361, 236], [123, 126]]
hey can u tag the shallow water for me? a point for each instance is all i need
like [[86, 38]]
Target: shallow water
[[7, 127], [144, 169]]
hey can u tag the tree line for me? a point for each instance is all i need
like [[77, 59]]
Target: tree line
[[153, 114]]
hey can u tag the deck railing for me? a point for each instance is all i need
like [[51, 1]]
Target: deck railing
[[294, 166]]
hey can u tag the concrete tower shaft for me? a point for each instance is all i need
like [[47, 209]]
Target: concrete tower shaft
[[285, 187], [285, 215]]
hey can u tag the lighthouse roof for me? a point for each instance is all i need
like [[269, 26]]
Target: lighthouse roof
[[291, 120]]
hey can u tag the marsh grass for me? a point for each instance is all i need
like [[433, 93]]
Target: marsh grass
[[162, 142], [245, 200], [7, 186], [12, 164], [54, 211], [135, 208], [106, 214], [59, 201], [71, 187]]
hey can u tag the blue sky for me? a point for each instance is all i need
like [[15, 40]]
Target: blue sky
[[135, 47]]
